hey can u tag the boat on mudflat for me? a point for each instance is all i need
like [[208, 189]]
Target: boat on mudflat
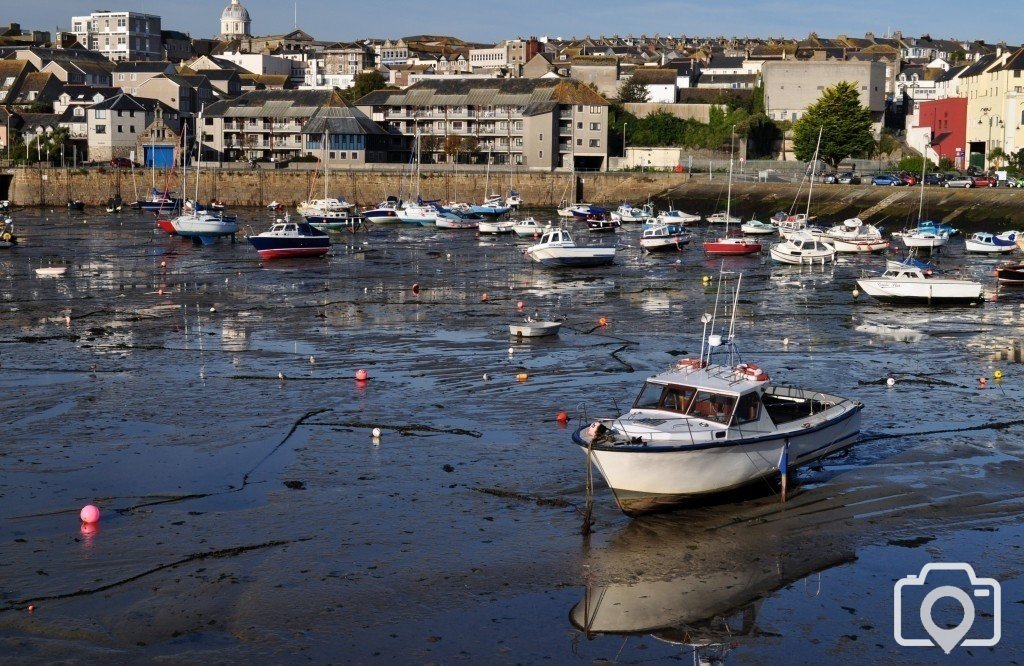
[[712, 424], [557, 249], [1010, 274], [203, 227], [286, 240], [665, 238], [984, 242], [909, 284], [7, 236]]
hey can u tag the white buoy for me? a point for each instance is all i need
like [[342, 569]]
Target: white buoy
[[890, 382], [376, 433], [281, 376], [511, 350], [486, 376], [312, 360], [785, 342], [213, 309], [856, 292]]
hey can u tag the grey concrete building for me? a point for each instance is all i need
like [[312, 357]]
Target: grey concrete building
[[120, 35], [540, 124], [790, 86]]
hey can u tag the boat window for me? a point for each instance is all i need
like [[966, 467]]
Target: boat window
[[677, 398], [650, 397], [712, 406], [748, 409], [289, 227]]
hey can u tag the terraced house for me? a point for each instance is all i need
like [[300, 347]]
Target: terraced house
[[540, 124]]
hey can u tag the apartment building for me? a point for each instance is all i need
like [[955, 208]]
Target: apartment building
[[347, 58], [120, 35], [790, 86], [540, 124], [116, 123]]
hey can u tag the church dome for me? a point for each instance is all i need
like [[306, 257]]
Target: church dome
[[235, 12]]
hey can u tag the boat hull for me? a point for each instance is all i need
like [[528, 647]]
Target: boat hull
[[671, 244], [926, 292], [863, 247], [800, 259], [731, 249], [537, 329], [575, 257], [1010, 274], [664, 478], [987, 248]]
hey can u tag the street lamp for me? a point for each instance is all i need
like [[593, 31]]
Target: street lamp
[[992, 120], [624, 153]]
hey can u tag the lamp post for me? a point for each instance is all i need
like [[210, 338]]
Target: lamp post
[[993, 120], [624, 153]]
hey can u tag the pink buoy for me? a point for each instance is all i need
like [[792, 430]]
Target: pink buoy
[[362, 375], [90, 514], [520, 305]]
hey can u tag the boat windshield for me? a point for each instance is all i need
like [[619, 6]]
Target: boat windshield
[[672, 398], [712, 407]]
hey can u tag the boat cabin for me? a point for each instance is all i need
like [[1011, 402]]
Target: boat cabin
[[294, 229], [806, 243], [557, 237], [906, 273], [662, 231]]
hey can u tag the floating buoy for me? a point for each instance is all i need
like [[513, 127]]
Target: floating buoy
[[31, 608], [785, 342], [362, 375], [982, 382], [281, 376], [890, 381], [415, 287], [67, 320], [163, 264], [160, 292], [520, 305], [376, 433], [213, 310], [603, 321], [486, 376], [90, 514], [522, 377], [856, 292], [484, 297], [998, 374], [706, 279], [312, 360], [511, 350], [562, 417]]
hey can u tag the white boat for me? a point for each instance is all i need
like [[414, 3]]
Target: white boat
[[558, 249], [855, 236], [701, 428], [416, 214], [723, 218], [802, 249], [565, 208], [924, 239], [534, 329], [454, 221], [529, 228], [318, 207], [513, 200], [985, 243], [909, 284], [51, 271], [673, 216], [628, 213], [665, 238], [757, 227], [204, 226], [496, 227]]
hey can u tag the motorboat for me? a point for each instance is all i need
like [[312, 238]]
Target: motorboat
[[496, 227], [586, 212], [424, 215], [204, 227], [7, 236], [564, 208], [76, 205], [723, 218], [665, 238], [275, 205], [791, 224], [557, 249], [673, 216], [457, 219], [855, 236], [984, 242], [5, 205], [529, 228], [513, 200], [923, 238], [911, 261], [160, 202], [603, 226], [629, 213], [1010, 273], [532, 328], [386, 212], [802, 249], [320, 206], [337, 220], [286, 240], [909, 284], [756, 228], [711, 424]]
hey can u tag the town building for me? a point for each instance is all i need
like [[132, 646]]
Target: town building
[[235, 22], [120, 35], [790, 86], [540, 124], [115, 124]]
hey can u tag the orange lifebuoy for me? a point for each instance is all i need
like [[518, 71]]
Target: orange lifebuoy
[[751, 371], [690, 364]]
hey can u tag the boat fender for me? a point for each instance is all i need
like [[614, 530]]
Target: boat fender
[[6, 236]]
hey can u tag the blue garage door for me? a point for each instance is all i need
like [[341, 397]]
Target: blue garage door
[[162, 157]]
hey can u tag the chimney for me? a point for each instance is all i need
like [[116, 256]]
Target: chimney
[[869, 35]]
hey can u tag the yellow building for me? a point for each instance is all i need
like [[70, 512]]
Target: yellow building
[[994, 89]]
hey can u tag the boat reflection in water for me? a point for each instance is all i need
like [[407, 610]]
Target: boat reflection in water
[[649, 581]]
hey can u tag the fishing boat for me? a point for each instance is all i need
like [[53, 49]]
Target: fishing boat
[[855, 236], [665, 238], [496, 227], [673, 216], [532, 328], [984, 242], [456, 219], [529, 227], [602, 226], [909, 284], [757, 228], [557, 249], [588, 212], [712, 424], [730, 244], [802, 249], [286, 240], [629, 213], [7, 236]]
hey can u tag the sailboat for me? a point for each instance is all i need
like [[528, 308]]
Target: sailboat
[[327, 213], [492, 207], [927, 235], [802, 246], [731, 245], [423, 214]]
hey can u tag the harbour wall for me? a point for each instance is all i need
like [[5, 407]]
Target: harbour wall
[[892, 206]]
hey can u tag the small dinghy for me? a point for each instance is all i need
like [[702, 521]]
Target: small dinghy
[[114, 204], [495, 227], [757, 228], [534, 329], [529, 228]]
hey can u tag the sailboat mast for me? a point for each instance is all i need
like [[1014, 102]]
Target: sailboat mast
[[323, 152], [199, 161], [924, 166], [814, 168], [728, 192]]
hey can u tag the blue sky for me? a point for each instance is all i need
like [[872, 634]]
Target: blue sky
[[993, 21]]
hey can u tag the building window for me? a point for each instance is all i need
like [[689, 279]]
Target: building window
[[101, 129], [595, 143], [579, 126], [579, 142], [540, 154], [540, 137], [580, 108], [120, 77], [342, 156], [100, 114], [595, 109], [595, 127]]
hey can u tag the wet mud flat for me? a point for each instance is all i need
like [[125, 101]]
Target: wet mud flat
[[207, 404]]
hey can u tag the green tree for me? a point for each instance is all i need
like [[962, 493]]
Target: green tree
[[912, 164], [844, 124], [957, 56], [633, 90], [452, 144], [946, 164], [363, 84], [997, 156]]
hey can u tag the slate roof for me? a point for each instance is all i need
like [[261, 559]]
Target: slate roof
[[492, 92], [276, 104], [341, 120], [154, 66]]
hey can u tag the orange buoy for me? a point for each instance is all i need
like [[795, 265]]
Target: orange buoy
[[416, 287], [520, 305], [522, 377], [484, 297], [362, 375], [562, 417], [603, 321], [982, 383]]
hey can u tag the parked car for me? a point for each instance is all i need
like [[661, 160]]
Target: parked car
[[122, 162], [984, 181], [908, 178], [887, 179], [848, 178], [956, 180], [1013, 181], [830, 178], [934, 178]]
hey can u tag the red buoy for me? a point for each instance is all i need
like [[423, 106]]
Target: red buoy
[[362, 375], [562, 417]]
